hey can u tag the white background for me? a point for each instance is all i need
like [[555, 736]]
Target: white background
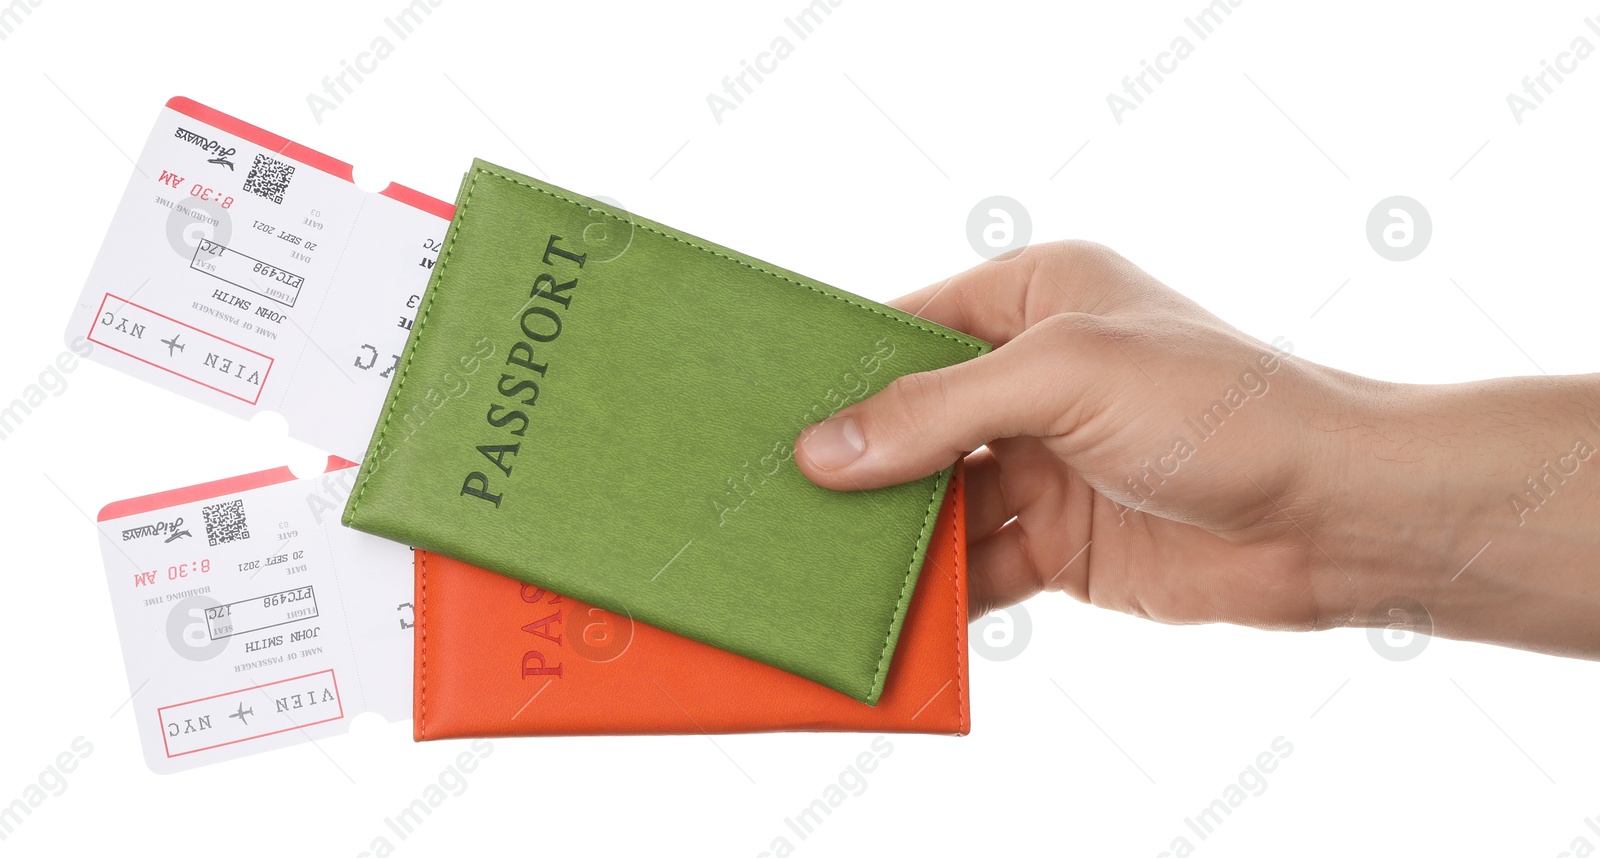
[[1244, 181]]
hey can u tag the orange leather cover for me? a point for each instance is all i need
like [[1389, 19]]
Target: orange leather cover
[[496, 657]]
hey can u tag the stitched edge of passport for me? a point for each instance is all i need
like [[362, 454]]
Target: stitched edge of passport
[[958, 549], [456, 226], [734, 259], [875, 689], [929, 519], [422, 630]]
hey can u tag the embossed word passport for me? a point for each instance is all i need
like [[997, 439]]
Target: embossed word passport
[[496, 657], [626, 435]]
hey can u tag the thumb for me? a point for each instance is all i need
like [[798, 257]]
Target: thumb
[[921, 423]]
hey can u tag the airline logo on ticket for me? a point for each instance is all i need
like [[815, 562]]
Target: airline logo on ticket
[[250, 273], [251, 619]]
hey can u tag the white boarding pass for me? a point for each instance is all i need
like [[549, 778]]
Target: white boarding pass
[[250, 619], [250, 273]]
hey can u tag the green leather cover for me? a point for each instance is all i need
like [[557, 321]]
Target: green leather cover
[[607, 407]]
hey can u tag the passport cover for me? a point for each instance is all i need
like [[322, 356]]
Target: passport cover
[[605, 406], [495, 657]]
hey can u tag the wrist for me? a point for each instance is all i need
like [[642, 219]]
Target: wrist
[[1476, 502]]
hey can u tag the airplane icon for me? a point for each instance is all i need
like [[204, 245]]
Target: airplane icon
[[221, 161], [172, 344], [243, 712]]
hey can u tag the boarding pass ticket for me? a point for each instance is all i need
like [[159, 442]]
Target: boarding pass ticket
[[250, 619], [250, 273]]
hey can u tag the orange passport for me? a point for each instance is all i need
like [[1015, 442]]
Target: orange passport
[[496, 657]]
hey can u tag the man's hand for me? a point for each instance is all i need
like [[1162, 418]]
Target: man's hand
[[1143, 455]]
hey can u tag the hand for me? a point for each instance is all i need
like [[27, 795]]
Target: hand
[[1143, 455]]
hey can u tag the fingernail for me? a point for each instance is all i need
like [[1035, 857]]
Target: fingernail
[[833, 443]]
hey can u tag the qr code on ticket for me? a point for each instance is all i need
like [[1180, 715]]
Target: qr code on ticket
[[269, 178], [225, 522]]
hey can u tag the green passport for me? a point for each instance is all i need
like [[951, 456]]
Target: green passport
[[606, 407]]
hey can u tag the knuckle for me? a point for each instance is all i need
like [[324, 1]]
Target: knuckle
[[923, 399], [1113, 341], [1081, 253], [1076, 333]]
